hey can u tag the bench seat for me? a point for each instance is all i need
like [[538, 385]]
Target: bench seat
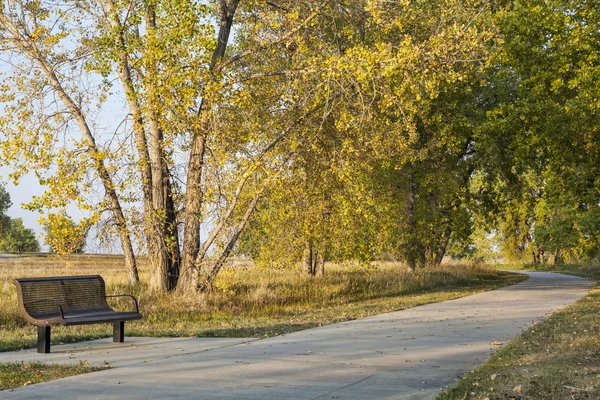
[[76, 319], [67, 301]]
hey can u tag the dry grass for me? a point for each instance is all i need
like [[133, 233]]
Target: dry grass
[[248, 302], [13, 375]]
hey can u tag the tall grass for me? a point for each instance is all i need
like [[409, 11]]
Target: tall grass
[[247, 301]]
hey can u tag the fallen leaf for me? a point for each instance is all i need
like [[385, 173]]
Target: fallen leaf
[[517, 389]]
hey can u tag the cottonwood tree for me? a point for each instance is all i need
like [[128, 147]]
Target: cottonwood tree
[[45, 93], [65, 236], [406, 139], [541, 165], [164, 59]]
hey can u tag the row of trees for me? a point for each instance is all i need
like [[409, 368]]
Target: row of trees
[[307, 130]]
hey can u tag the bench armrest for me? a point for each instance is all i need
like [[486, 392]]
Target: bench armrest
[[62, 315], [137, 309]]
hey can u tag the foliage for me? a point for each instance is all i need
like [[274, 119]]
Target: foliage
[[388, 174], [17, 238], [65, 236], [543, 161], [13, 235], [301, 130]]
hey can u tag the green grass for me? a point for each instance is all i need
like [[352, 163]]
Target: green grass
[[13, 375], [558, 358], [249, 302]]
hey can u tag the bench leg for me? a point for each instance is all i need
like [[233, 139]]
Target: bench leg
[[119, 332], [43, 340]]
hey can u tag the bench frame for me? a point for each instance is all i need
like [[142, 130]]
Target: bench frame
[[44, 325]]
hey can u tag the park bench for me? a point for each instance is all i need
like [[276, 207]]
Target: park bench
[[70, 300]]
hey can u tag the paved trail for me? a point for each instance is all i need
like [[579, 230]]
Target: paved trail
[[407, 354]]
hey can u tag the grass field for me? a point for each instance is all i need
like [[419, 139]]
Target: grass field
[[247, 302], [556, 359]]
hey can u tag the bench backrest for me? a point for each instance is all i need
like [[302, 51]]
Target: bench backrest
[[73, 293]]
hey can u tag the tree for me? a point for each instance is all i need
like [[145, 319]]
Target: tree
[[5, 204], [17, 238], [178, 85], [403, 148], [65, 236], [13, 235], [387, 124], [542, 132], [31, 121]]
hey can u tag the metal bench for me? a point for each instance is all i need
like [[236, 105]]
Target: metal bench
[[69, 300]]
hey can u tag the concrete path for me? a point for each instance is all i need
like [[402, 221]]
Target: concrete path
[[408, 354]]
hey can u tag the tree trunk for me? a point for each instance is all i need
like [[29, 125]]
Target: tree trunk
[[411, 252], [189, 276], [153, 170], [307, 259], [535, 256], [188, 279], [208, 281], [441, 251], [320, 264], [172, 233], [159, 248], [557, 258]]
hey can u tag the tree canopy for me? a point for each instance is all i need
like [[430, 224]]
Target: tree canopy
[[308, 131]]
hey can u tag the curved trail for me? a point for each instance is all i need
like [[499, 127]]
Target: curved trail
[[407, 354]]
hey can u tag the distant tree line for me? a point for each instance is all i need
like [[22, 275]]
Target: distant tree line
[[14, 237]]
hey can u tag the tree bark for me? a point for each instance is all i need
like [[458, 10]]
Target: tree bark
[[193, 212], [319, 267], [557, 257], [144, 164], [188, 280], [172, 232], [412, 252], [159, 226], [441, 251], [307, 259], [160, 247]]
